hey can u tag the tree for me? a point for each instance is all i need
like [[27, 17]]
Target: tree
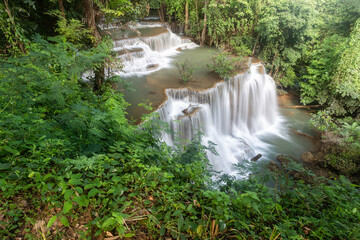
[[324, 61], [347, 78], [285, 28]]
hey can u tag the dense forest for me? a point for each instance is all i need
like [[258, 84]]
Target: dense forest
[[72, 166]]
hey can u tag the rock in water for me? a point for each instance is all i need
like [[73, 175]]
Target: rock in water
[[257, 157]]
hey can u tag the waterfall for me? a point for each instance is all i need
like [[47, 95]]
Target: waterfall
[[232, 115], [143, 55], [236, 115]]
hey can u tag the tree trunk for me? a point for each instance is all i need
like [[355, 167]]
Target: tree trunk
[[186, 15], [197, 16], [99, 78], [90, 13], [203, 34], [90, 19], [61, 7], [162, 12], [19, 43], [255, 45]]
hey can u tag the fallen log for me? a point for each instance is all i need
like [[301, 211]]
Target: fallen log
[[302, 106], [302, 134]]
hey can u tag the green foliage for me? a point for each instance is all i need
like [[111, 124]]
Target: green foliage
[[324, 61], [227, 19], [342, 137], [185, 71], [241, 45], [347, 77], [73, 30], [333, 77], [124, 10], [13, 34], [339, 16], [223, 64], [284, 29], [288, 79], [41, 92]]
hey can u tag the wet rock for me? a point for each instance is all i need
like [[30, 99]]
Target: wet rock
[[127, 51], [152, 66], [257, 157], [178, 49]]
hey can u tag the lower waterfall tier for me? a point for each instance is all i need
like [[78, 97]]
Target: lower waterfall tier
[[232, 115]]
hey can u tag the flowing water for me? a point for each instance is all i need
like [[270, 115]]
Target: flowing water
[[241, 115]]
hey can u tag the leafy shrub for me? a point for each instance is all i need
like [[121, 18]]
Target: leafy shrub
[[223, 65], [241, 45], [342, 137], [186, 71]]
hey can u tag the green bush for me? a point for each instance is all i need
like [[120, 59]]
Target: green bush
[[186, 71], [222, 64], [342, 138]]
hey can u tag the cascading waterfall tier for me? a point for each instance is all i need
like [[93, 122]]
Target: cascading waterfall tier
[[144, 55], [232, 115]]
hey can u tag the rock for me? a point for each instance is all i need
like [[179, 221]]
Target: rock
[[308, 157], [257, 157], [283, 159], [178, 49], [272, 166], [152, 66]]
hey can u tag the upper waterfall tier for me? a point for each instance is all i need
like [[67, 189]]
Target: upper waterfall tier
[[231, 115], [143, 55]]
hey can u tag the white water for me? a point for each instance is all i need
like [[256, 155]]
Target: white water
[[144, 55], [234, 115]]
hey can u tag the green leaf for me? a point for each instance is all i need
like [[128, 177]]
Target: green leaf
[[75, 181], [3, 183], [116, 179], [11, 150], [200, 230], [82, 200], [93, 192], [67, 206], [51, 221], [79, 190], [177, 213], [89, 186], [68, 193], [162, 230], [244, 225], [278, 207], [6, 166], [180, 223], [64, 221], [110, 222], [31, 174], [129, 235]]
